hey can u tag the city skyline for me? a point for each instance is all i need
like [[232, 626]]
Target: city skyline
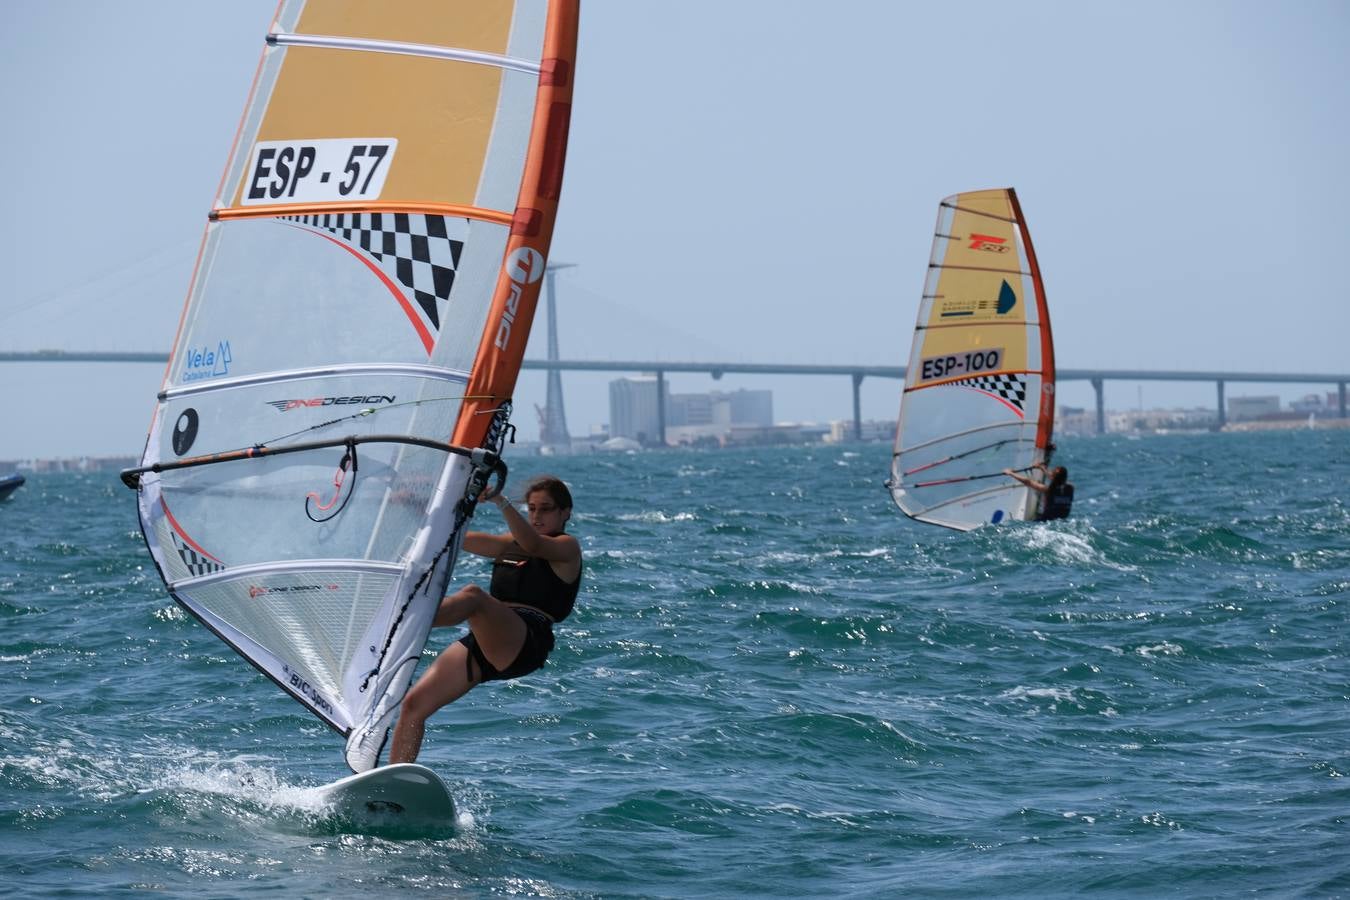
[[1242, 409], [840, 410]]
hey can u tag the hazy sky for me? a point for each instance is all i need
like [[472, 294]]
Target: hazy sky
[[747, 180]]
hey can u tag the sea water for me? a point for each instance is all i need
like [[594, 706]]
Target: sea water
[[774, 685]]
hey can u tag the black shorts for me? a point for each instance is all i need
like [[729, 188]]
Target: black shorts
[[533, 653]]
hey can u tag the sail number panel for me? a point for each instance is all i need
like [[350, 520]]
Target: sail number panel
[[318, 171], [952, 364]]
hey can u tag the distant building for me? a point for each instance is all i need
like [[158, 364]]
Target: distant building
[[705, 419], [1196, 417], [787, 433], [1313, 403], [711, 435], [633, 409], [1246, 408], [747, 407], [841, 430], [740, 407], [689, 409], [1075, 420], [1136, 420]]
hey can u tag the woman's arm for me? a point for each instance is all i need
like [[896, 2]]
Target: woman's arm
[[484, 544], [1029, 482]]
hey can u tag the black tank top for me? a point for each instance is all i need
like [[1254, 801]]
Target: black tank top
[[1058, 502], [518, 577]]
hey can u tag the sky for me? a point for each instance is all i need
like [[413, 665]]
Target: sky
[[748, 181]]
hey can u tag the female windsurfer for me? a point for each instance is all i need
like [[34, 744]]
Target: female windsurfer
[[536, 571], [1056, 492]]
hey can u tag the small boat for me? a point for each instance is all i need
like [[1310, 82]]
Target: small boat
[[9, 484]]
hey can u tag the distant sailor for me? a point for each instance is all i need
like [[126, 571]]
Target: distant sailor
[[536, 572], [1056, 493]]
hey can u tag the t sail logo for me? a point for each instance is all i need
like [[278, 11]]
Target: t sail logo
[[525, 265], [988, 243]]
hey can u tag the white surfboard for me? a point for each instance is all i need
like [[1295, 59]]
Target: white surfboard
[[403, 794]]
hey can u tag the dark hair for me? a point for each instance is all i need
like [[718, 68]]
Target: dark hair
[[552, 486], [1059, 476]]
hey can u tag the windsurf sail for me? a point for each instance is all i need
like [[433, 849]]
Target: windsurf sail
[[979, 391], [9, 484], [339, 390]]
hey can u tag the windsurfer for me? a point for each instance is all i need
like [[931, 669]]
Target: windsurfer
[[536, 572], [1056, 491]]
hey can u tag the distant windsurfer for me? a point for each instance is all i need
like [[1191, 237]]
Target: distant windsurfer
[[1056, 491], [536, 572]]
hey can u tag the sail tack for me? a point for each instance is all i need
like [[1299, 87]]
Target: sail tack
[[979, 387], [352, 336]]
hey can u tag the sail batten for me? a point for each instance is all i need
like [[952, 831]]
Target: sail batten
[[448, 210], [338, 394], [983, 269], [284, 375], [458, 54], [298, 565], [981, 362], [943, 382]]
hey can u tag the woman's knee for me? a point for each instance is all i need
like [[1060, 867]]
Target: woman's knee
[[452, 675], [419, 704], [474, 594], [463, 603]]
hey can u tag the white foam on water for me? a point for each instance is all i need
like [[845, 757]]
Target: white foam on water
[[171, 613], [1058, 695], [1166, 648], [1069, 546], [241, 778], [657, 517]]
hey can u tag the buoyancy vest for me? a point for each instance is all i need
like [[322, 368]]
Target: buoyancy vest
[[520, 578], [1057, 502]]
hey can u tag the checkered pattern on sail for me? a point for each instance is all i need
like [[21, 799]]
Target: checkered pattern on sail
[[196, 563], [1010, 388], [418, 247]]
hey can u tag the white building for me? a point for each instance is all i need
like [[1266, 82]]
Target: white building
[[633, 411]]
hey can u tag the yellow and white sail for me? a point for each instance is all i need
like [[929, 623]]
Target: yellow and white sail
[[339, 388], [980, 384]]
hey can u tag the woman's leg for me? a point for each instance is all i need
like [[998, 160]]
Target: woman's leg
[[499, 631], [444, 682], [500, 634]]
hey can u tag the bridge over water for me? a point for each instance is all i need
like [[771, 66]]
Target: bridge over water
[[1097, 377]]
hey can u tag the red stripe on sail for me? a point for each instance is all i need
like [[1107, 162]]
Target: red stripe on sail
[[427, 340]]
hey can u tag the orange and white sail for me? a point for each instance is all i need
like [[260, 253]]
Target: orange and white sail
[[339, 388], [980, 385]]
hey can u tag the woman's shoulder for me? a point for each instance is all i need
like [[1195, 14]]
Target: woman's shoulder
[[571, 543]]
